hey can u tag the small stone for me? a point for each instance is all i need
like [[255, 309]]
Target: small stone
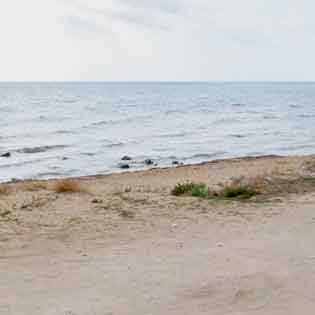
[[148, 162], [177, 163], [126, 158], [124, 166], [8, 154]]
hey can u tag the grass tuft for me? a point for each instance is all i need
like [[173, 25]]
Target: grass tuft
[[67, 186], [192, 189], [241, 192], [238, 189], [182, 189], [200, 190]]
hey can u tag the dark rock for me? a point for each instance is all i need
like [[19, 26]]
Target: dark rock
[[64, 158], [148, 162], [126, 158], [8, 154], [124, 166]]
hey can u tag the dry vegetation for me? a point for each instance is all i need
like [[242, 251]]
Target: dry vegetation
[[5, 189], [35, 186], [67, 186]]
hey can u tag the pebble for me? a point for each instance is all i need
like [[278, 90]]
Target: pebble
[[124, 166], [148, 162]]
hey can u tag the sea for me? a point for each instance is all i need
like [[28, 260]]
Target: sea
[[54, 130]]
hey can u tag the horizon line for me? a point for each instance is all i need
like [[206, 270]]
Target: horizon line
[[157, 81]]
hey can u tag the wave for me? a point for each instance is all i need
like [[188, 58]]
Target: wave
[[23, 163], [7, 109], [205, 156], [225, 120], [99, 123], [306, 115], [116, 144], [270, 116], [88, 153], [238, 105], [240, 136], [39, 149], [174, 135], [64, 132], [65, 100], [297, 147], [174, 111], [45, 175]]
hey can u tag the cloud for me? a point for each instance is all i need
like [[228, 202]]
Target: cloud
[[155, 15], [75, 24], [157, 39]]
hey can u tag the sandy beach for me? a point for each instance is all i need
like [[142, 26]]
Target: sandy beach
[[123, 244]]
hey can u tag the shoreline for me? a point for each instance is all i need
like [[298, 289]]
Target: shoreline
[[157, 168], [30, 202]]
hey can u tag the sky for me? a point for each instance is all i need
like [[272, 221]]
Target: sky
[[157, 40]]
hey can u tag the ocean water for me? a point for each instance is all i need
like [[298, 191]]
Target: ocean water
[[71, 129]]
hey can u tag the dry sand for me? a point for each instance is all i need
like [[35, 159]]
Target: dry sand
[[126, 246]]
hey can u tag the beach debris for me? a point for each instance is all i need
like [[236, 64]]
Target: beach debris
[[97, 200], [124, 166], [148, 162], [7, 154], [126, 158], [180, 245], [127, 214]]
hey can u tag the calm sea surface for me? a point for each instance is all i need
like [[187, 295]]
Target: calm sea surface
[[71, 129]]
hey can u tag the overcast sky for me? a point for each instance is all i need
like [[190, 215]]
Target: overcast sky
[[154, 40]]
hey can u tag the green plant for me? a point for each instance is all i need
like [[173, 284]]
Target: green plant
[[192, 189], [182, 189], [200, 190]]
